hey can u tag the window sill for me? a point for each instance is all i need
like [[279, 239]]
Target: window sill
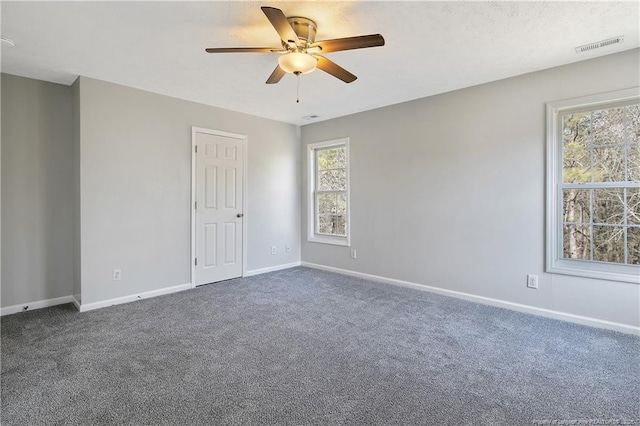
[[325, 239], [602, 271]]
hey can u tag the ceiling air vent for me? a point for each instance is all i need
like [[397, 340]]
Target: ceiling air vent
[[599, 44], [8, 41]]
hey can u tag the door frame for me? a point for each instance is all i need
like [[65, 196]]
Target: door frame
[[245, 217]]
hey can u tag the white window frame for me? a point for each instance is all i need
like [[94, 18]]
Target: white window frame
[[312, 235], [555, 263]]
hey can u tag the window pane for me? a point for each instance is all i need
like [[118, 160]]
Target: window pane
[[608, 243], [333, 158], [329, 180], [341, 157], [575, 131], [326, 203], [633, 123], [576, 166], [633, 206], [341, 206], [342, 225], [325, 224], [608, 126], [576, 205], [633, 159], [633, 246], [608, 164], [576, 240], [332, 224], [608, 205]]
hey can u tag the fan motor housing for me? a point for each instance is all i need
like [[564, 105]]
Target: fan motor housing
[[304, 28]]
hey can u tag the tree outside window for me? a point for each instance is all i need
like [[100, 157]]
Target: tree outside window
[[331, 192], [601, 203]]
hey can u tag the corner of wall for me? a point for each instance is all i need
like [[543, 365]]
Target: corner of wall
[[76, 134]]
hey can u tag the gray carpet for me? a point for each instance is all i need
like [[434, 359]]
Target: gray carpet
[[302, 347]]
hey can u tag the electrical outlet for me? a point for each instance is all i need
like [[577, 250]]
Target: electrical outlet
[[532, 281], [353, 253], [273, 249], [117, 275]]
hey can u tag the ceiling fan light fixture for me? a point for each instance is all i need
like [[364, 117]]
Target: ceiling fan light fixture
[[297, 62]]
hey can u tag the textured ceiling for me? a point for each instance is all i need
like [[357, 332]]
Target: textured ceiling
[[431, 47]]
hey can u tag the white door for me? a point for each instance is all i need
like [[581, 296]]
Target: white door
[[218, 206]]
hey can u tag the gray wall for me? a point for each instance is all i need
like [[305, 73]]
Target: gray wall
[[97, 177], [449, 191], [37, 196], [135, 177]]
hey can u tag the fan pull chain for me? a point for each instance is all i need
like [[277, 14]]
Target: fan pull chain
[[297, 87]]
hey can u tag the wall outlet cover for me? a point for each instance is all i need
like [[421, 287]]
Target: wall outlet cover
[[532, 281]]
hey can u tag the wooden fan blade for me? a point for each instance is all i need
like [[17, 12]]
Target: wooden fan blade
[[334, 69], [242, 50], [349, 43], [280, 23], [276, 75]]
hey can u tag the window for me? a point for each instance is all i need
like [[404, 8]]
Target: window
[[328, 165], [593, 175]]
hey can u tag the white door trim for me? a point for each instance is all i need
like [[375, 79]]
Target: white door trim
[[245, 217]]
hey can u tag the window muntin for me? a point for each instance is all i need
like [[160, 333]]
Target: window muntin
[[594, 167], [329, 192]]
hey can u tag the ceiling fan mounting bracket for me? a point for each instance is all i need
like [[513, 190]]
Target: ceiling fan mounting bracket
[[304, 28]]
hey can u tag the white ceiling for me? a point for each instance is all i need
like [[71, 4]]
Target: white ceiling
[[431, 47]]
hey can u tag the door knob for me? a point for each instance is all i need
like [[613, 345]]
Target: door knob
[[239, 215]]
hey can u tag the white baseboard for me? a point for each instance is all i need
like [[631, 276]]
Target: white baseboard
[[84, 307], [271, 269], [30, 306], [578, 319]]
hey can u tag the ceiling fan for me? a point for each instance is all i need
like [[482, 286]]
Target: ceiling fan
[[300, 52]]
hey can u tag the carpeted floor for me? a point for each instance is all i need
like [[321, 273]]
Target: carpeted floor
[[303, 346]]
